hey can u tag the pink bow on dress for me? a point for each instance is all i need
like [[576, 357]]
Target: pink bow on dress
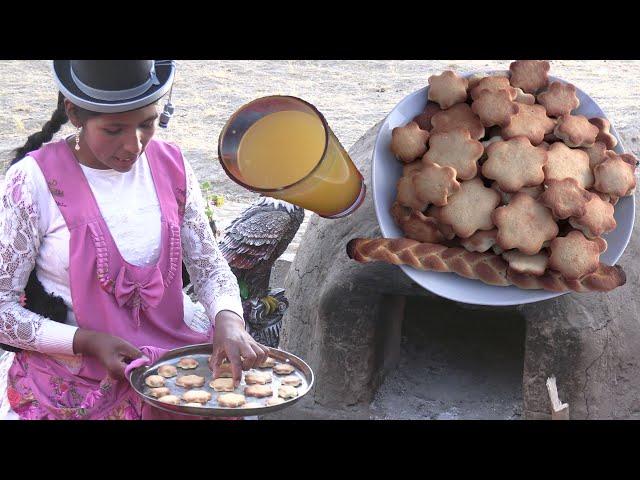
[[139, 295]]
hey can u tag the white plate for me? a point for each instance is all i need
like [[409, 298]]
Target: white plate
[[386, 171]]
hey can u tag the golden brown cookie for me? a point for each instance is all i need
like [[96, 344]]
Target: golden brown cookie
[[222, 384], [400, 214], [564, 162], [494, 108], [458, 116], [196, 396], [576, 131], [493, 84], [597, 218], [470, 209], [283, 369], [287, 392], [187, 363], [515, 164], [259, 391], [481, 241], [574, 256], [407, 195], [522, 263], [409, 143], [419, 227], [424, 119], [454, 148], [292, 380], [410, 169], [159, 392], [190, 381], [604, 135], [526, 98], [224, 371], [559, 99], [274, 401], [167, 371], [530, 121], [597, 154], [505, 197], [446, 230], [231, 400], [447, 89], [170, 399], [565, 198], [524, 224], [435, 183], [257, 377], [154, 381], [615, 176], [529, 75]]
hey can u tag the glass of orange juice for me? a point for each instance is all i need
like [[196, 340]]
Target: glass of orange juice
[[282, 147]]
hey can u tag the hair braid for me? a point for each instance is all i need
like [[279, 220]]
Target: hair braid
[[36, 140]]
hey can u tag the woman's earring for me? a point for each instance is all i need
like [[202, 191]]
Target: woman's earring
[[78, 138]]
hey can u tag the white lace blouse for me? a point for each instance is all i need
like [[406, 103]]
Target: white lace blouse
[[33, 233]]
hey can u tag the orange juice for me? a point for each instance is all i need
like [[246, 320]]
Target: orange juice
[[286, 148]]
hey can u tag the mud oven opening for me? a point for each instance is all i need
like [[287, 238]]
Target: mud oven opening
[[440, 360]]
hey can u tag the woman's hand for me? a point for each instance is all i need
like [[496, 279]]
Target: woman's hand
[[112, 352], [232, 341]]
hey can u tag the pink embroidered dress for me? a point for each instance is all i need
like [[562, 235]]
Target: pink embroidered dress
[[141, 304]]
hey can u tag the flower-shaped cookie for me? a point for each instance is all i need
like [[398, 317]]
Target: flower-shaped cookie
[[529, 75], [574, 256], [523, 263], [455, 148], [564, 162], [446, 230], [481, 241], [576, 131], [530, 121], [597, 154], [566, 198], [494, 107], [407, 196], [435, 183], [505, 197], [604, 134], [615, 176], [515, 164], [493, 84], [424, 119], [524, 224], [458, 116], [470, 209], [597, 218], [447, 89], [409, 142], [526, 98], [417, 226], [559, 99]]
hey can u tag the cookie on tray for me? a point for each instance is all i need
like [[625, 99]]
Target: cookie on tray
[[529, 75]]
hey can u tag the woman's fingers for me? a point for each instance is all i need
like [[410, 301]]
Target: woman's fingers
[[261, 353], [233, 355], [249, 357]]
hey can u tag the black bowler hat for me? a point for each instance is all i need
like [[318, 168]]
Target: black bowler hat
[[113, 86]]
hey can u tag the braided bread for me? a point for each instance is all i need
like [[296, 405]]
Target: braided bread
[[487, 267]]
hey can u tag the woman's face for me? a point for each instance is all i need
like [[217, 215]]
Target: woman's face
[[116, 140]]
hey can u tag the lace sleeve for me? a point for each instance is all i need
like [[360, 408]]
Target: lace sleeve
[[19, 244], [214, 283]]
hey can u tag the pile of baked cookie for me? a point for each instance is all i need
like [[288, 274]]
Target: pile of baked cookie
[[258, 384], [499, 164]]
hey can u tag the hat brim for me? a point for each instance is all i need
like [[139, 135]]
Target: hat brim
[[62, 75]]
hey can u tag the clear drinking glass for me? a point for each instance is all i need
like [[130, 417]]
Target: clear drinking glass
[[282, 147]]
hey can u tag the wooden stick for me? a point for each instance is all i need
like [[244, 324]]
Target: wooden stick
[[559, 410]]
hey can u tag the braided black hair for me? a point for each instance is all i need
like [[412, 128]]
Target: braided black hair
[[58, 118]]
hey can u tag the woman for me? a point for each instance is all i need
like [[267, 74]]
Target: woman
[[107, 216]]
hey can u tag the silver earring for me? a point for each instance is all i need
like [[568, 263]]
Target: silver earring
[[78, 138]]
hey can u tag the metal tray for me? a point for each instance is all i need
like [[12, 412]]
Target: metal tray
[[211, 408]]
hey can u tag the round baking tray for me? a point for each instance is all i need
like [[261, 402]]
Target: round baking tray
[[211, 408]]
